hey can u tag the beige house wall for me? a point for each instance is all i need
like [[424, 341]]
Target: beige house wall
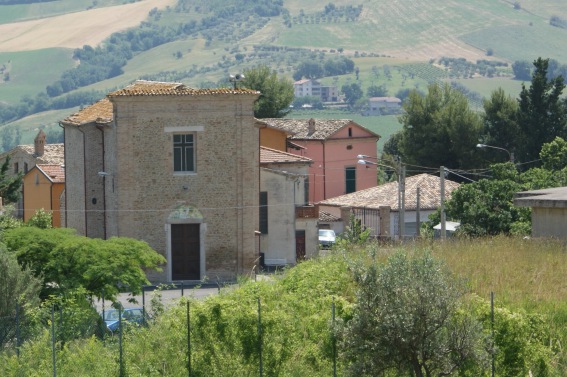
[[549, 222]]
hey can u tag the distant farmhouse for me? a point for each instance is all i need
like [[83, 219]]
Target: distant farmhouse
[[306, 87], [383, 105]]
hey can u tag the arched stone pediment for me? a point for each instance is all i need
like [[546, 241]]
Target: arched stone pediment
[[184, 211]]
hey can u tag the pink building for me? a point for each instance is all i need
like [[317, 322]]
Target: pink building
[[333, 145]]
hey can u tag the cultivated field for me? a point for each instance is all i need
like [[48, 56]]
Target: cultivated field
[[75, 29]]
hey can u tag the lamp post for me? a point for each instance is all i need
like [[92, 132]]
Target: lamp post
[[401, 171], [510, 154]]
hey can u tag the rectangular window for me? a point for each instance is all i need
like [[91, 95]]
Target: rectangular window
[[263, 212], [350, 179], [183, 153], [16, 168], [306, 188], [25, 167]]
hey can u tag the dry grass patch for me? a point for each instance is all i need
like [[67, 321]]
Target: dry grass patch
[[75, 29]]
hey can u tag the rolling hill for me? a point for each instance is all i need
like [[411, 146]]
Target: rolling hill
[[201, 42]]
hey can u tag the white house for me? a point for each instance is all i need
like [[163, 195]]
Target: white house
[[288, 226], [307, 87]]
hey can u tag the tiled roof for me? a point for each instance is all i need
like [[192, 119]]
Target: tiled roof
[[99, 112], [55, 173], [385, 99], [52, 153], [387, 194], [156, 88], [326, 217], [299, 128], [273, 156]]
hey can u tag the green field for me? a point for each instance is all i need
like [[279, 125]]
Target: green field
[[21, 12], [31, 71], [383, 37]]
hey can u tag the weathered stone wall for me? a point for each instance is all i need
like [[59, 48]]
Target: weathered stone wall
[[224, 187]]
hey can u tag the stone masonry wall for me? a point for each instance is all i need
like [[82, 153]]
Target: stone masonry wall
[[224, 187]]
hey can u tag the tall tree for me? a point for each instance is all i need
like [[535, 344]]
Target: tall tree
[[9, 185], [352, 93], [276, 93], [500, 124], [439, 129], [542, 114]]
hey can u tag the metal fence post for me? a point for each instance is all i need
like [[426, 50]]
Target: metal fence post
[[188, 340], [334, 343], [17, 329], [260, 337], [492, 329], [120, 340], [53, 340]]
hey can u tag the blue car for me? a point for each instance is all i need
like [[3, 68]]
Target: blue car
[[131, 315]]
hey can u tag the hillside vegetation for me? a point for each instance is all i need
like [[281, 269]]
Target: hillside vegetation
[[300, 329], [201, 42]]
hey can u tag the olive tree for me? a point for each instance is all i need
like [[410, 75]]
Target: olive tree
[[276, 93], [409, 318]]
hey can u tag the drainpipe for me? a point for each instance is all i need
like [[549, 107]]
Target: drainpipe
[[100, 128], [65, 162], [324, 172]]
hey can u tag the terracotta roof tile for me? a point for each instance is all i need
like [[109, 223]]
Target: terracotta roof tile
[[156, 88], [387, 194], [273, 156], [52, 153], [100, 112], [300, 129], [326, 217], [56, 173]]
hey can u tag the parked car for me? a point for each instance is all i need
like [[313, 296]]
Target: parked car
[[130, 315], [327, 238]]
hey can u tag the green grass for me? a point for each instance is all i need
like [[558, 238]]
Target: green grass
[[31, 71], [21, 12], [522, 42]]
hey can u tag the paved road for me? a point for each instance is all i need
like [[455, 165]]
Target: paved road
[[168, 297]]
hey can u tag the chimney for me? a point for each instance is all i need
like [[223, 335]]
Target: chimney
[[39, 144], [311, 128]]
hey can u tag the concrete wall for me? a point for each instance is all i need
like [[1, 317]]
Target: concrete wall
[[285, 185], [549, 222]]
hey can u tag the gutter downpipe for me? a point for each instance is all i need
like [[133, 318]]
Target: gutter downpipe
[[100, 128], [324, 172]]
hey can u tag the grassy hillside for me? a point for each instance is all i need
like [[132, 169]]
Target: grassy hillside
[[403, 37]]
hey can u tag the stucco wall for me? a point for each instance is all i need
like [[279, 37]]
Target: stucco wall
[[327, 177], [37, 193]]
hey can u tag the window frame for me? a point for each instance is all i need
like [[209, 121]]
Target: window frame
[[183, 157]]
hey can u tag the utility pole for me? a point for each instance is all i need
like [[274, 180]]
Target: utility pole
[[442, 181], [403, 204]]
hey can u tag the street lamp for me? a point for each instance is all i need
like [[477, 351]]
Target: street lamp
[[510, 154], [401, 171]]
